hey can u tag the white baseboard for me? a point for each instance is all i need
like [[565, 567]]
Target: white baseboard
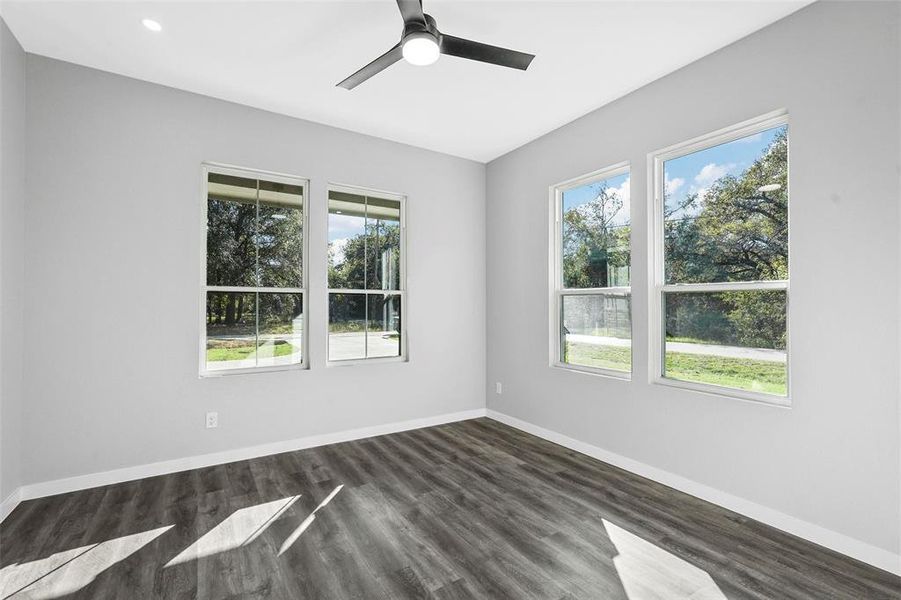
[[10, 503], [81, 482], [844, 544]]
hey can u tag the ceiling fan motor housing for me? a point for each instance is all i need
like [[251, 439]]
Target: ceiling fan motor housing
[[416, 29]]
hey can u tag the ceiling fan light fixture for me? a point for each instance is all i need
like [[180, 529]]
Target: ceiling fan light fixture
[[422, 43], [421, 49]]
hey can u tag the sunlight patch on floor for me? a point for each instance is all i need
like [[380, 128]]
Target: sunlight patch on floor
[[651, 573], [240, 528], [306, 522], [68, 571]]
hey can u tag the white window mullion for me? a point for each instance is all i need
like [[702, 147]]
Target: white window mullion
[[359, 291], [606, 291], [252, 289], [732, 286]]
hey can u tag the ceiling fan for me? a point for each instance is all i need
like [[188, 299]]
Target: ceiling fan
[[422, 43]]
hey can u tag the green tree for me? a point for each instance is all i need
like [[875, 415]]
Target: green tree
[[370, 261], [746, 229], [359, 264], [738, 231], [593, 245], [758, 318], [247, 246]]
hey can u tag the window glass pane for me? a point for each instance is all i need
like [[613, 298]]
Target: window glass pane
[[230, 330], [280, 340], [596, 229], [597, 331], [346, 241], [280, 235], [231, 225], [726, 211], [346, 326], [383, 336], [383, 243], [732, 339]]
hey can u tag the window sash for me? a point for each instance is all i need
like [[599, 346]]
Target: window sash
[[557, 192], [400, 357], [557, 357], [657, 287], [269, 176]]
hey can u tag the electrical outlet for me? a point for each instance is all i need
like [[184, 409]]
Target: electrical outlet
[[498, 388], [212, 420]]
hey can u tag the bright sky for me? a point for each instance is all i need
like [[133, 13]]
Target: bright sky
[[618, 186], [693, 173], [340, 229], [344, 226], [684, 176]]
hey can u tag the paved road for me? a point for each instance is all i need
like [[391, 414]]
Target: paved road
[[344, 346], [688, 348]]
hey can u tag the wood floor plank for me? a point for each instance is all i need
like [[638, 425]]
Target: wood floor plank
[[474, 509]]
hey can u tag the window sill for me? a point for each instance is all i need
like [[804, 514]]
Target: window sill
[[726, 393], [366, 361], [608, 373], [252, 370]]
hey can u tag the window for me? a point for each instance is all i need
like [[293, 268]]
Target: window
[[254, 294], [365, 275], [720, 286], [591, 320]]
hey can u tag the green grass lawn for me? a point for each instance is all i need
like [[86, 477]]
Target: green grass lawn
[[605, 357], [241, 352], [754, 375]]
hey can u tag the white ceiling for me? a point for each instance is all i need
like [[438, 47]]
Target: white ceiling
[[287, 57]]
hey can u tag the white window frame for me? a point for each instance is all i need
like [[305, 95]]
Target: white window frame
[[657, 285], [223, 169], [556, 273], [401, 292]]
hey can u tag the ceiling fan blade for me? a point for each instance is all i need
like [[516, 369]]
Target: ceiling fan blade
[[411, 10], [375, 67], [455, 46]]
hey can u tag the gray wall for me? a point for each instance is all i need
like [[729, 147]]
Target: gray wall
[[832, 459], [113, 276], [12, 242]]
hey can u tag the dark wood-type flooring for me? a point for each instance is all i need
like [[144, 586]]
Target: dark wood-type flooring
[[468, 510]]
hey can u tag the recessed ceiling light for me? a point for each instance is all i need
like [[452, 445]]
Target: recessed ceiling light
[[152, 25]]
